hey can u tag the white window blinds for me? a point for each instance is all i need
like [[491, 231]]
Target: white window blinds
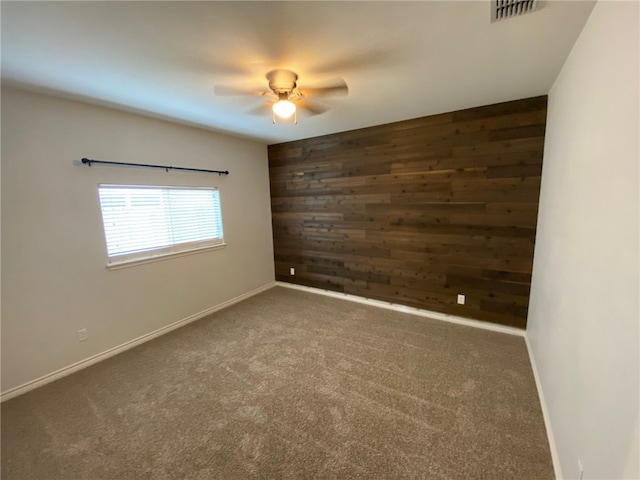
[[148, 221]]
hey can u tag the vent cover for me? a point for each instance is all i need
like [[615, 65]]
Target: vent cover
[[502, 9]]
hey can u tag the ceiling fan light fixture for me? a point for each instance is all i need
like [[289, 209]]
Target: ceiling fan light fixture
[[284, 96], [284, 108]]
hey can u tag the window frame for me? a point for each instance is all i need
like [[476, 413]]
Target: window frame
[[123, 260]]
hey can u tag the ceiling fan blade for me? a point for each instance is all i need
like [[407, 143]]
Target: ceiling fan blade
[[334, 87], [225, 90], [312, 108], [261, 110]]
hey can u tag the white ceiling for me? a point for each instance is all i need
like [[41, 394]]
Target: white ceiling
[[401, 60]]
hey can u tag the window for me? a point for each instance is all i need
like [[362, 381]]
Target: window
[[142, 223]]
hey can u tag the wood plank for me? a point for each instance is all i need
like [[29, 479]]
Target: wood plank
[[506, 108], [416, 212], [517, 132]]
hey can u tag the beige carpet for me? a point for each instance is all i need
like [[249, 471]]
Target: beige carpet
[[290, 384]]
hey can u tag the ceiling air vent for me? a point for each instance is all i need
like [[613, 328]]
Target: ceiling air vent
[[501, 9]]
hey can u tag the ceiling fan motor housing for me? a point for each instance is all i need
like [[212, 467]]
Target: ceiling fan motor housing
[[282, 81]]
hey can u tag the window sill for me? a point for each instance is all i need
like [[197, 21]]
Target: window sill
[[163, 256]]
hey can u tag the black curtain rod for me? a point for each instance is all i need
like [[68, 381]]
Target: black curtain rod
[[88, 161]]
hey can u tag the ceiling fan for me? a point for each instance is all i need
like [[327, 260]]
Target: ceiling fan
[[285, 97]]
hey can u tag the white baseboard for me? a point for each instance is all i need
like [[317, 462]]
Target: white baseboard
[[405, 309], [545, 413], [63, 372], [50, 377]]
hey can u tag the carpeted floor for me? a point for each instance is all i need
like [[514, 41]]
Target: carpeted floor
[[289, 384]]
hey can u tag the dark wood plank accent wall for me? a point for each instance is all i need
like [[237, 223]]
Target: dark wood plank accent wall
[[416, 212]]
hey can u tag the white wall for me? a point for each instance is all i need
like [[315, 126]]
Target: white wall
[[583, 323], [54, 279]]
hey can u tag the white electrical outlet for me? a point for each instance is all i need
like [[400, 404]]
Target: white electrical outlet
[[461, 299], [83, 334], [292, 271], [580, 470]]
